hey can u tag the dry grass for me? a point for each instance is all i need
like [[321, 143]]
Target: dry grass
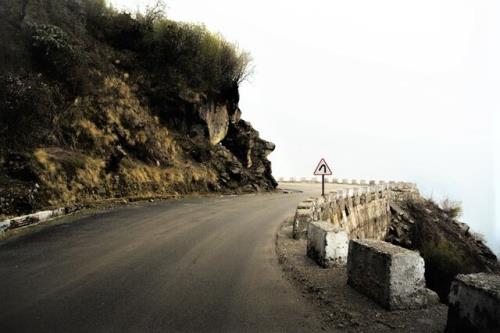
[[70, 177]]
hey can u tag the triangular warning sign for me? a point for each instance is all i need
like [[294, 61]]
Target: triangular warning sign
[[322, 169]]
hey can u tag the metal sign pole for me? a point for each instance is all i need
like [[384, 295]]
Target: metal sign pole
[[323, 170], [323, 185]]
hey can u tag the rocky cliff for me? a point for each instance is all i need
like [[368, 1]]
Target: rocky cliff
[[97, 104], [448, 246]]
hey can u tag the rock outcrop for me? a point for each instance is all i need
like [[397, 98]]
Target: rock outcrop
[[447, 245], [97, 105]]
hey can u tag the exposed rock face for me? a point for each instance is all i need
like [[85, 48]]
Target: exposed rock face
[[447, 245], [408, 218], [217, 120], [244, 142], [400, 226]]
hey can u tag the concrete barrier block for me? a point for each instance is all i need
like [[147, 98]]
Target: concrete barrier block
[[59, 211], [319, 200], [307, 204], [362, 182], [474, 303], [331, 196], [327, 244], [4, 226], [44, 215], [373, 182], [303, 217], [346, 181], [390, 275], [335, 180], [24, 220], [320, 206]]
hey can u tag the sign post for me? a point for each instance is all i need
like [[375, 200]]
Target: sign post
[[322, 170]]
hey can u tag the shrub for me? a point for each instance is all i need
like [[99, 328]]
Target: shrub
[[443, 261], [452, 208], [442, 245], [50, 39], [124, 32], [181, 54], [28, 111], [59, 56], [206, 60]]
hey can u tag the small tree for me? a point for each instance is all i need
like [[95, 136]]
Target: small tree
[[155, 12], [452, 208]]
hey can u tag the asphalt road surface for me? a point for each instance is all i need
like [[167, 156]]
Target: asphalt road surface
[[194, 265]]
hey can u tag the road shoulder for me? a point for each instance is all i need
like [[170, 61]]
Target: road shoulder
[[341, 307]]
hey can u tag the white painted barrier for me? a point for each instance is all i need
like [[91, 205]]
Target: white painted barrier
[[326, 244]]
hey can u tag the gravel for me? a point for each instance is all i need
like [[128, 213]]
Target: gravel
[[342, 308]]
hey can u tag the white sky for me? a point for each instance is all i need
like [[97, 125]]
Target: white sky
[[403, 90]]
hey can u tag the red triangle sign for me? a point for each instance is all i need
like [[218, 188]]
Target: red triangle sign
[[323, 169]]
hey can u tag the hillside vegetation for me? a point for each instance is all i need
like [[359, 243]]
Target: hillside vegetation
[[448, 246], [98, 104]]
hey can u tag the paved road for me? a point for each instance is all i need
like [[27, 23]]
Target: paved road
[[195, 265]]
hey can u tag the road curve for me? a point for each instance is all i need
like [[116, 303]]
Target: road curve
[[194, 265]]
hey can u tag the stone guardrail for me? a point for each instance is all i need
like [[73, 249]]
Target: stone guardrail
[[22, 221], [344, 181], [349, 226], [362, 211]]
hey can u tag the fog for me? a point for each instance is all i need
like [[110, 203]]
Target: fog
[[393, 90]]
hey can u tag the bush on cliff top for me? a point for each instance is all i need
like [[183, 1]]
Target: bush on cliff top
[[204, 60]]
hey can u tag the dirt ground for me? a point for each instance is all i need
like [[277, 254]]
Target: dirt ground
[[342, 308]]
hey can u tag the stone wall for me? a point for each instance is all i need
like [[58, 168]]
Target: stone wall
[[347, 181], [362, 215], [362, 211]]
